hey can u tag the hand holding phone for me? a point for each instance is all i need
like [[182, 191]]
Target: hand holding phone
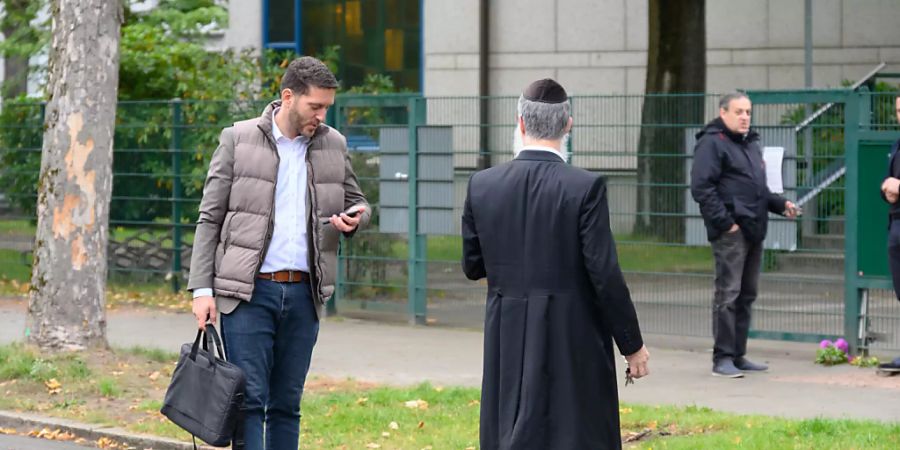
[[348, 220]]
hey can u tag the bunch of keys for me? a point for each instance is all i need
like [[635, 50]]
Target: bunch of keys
[[628, 378]]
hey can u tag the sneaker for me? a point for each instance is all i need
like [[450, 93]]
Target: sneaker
[[725, 368], [746, 365], [893, 366]]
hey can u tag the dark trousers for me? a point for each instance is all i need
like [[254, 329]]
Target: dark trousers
[[894, 260], [271, 338], [894, 254], [738, 263]]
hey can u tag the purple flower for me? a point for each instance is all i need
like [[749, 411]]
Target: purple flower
[[824, 344], [842, 345]]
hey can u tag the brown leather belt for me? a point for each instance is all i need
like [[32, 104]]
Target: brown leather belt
[[286, 276]]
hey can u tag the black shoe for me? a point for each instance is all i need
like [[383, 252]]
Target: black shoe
[[746, 365], [725, 368], [893, 366]]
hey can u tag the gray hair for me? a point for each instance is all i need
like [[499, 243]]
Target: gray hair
[[726, 99], [544, 120]]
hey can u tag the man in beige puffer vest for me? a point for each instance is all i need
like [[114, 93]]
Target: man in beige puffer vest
[[279, 192]]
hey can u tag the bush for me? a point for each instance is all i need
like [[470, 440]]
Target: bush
[[828, 146]]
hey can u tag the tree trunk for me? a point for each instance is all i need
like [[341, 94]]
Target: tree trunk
[[66, 309], [15, 76], [676, 64]]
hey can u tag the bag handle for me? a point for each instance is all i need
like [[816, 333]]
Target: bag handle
[[208, 336], [212, 333]]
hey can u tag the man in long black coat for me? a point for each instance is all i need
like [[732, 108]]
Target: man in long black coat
[[890, 192], [538, 229]]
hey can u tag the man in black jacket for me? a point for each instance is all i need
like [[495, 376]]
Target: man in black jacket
[[728, 180], [890, 191], [538, 229]]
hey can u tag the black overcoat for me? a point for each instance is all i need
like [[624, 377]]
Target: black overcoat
[[538, 229]]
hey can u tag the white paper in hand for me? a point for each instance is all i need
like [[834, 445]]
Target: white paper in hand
[[773, 157]]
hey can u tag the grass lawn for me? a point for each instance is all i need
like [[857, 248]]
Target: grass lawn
[[11, 266], [16, 227], [158, 296], [126, 387], [647, 257], [635, 254], [21, 227]]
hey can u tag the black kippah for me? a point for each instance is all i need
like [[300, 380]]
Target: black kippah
[[545, 91]]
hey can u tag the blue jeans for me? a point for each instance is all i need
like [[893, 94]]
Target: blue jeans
[[271, 338]]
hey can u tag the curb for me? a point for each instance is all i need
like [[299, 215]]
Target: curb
[[93, 432]]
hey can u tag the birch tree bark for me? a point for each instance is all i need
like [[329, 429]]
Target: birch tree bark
[[66, 309]]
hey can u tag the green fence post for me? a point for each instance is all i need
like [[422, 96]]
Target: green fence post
[[416, 269], [852, 300], [176, 195]]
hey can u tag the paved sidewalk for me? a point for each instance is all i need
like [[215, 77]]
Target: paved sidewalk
[[680, 367], [12, 442]]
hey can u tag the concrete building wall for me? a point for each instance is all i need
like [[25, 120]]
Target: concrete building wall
[[599, 46], [244, 24]]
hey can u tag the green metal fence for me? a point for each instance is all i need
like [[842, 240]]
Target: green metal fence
[[409, 150]]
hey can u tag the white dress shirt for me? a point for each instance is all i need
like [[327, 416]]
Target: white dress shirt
[[289, 247], [544, 149]]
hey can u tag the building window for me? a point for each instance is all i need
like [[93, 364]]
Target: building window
[[281, 22], [375, 36]]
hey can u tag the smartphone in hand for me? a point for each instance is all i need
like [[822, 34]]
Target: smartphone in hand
[[352, 212]]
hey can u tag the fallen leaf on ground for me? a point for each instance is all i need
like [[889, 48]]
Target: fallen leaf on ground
[[385, 434], [153, 376], [107, 443], [421, 425], [52, 435], [419, 403], [372, 445], [362, 400], [394, 426], [53, 386]]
